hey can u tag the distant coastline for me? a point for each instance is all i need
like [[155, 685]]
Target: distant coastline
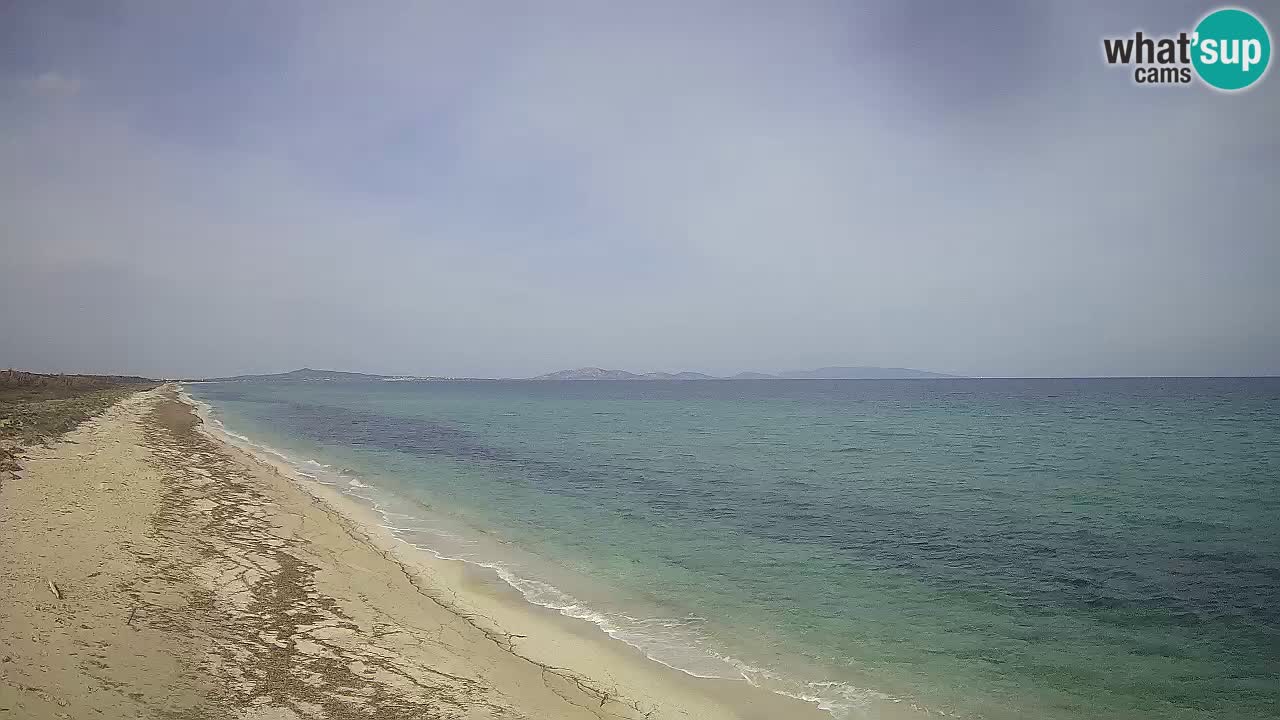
[[824, 373], [602, 374]]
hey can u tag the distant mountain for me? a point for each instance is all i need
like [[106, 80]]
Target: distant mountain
[[827, 373], [861, 373]]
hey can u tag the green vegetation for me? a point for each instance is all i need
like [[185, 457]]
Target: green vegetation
[[35, 407]]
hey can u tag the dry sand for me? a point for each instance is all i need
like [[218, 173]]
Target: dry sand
[[197, 581]]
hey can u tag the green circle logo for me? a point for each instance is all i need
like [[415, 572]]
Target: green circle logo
[[1232, 49]]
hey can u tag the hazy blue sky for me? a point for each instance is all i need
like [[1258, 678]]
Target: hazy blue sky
[[491, 188]]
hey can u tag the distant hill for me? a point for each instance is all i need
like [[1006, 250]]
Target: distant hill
[[827, 373], [686, 375], [595, 373], [589, 373], [304, 374]]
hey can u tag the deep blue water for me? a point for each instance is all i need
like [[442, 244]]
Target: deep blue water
[[988, 548]]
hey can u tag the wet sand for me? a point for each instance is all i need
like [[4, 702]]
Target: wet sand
[[191, 580]]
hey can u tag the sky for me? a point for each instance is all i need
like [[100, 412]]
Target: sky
[[505, 189]]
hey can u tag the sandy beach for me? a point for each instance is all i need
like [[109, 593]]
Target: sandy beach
[[148, 569]]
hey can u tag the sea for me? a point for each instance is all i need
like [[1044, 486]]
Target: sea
[[969, 548]]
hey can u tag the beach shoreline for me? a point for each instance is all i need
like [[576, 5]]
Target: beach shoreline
[[544, 636], [199, 580]]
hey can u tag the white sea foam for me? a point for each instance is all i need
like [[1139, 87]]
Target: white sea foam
[[838, 698]]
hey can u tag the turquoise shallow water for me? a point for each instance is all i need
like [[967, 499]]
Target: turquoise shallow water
[[983, 548]]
